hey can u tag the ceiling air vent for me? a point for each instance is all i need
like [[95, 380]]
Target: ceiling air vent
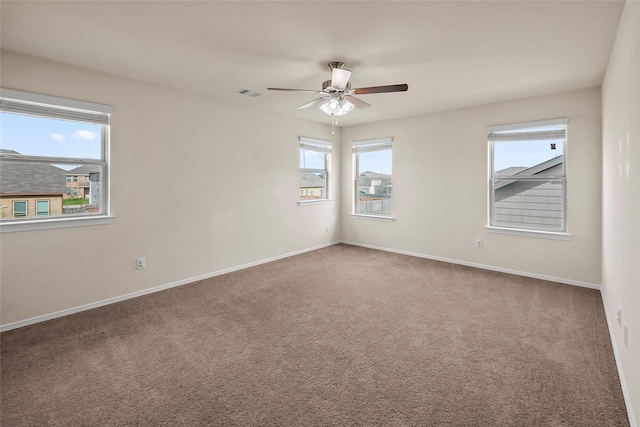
[[248, 92]]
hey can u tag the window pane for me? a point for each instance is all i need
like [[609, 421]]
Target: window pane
[[314, 176], [519, 149], [374, 185], [512, 157], [45, 137], [42, 208], [19, 209], [313, 184], [529, 204], [312, 159], [25, 181]]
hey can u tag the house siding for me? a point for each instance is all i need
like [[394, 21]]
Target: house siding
[[534, 204]]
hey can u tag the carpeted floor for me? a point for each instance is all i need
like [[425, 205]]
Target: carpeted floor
[[339, 336]]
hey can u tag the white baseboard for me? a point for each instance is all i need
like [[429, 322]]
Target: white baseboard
[[482, 266], [611, 320], [66, 312]]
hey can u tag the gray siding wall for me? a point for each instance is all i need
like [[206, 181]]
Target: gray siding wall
[[531, 204]]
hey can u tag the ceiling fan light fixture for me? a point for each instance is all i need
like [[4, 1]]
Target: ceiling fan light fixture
[[336, 106], [340, 77], [346, 106]]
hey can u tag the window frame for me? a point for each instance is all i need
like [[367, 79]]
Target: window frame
[[321, 146], [38, 201], [46, 106], [26, 208], [357, 148], [561, 234]]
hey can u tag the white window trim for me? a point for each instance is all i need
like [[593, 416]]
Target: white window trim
[[48, 207], [358, 147], [71, 104], [373, 217], [83, 109], [57, 222], [312, 202], [543, 234], [328, 191], [26, 208], [553, 235]]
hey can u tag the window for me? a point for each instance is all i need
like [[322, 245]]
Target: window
[[373, 178], [527, 176], [19, 209], [45, 143], [315, 158], [42, 208]]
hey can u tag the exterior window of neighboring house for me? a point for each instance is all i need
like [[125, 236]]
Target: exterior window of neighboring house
[[315, 158], [42, 208], [19, 209], [373, 182], [528, 185], [45, 144]]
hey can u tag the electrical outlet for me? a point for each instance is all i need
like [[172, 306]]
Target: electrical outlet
[[479, 243], [326, 228], [626, 335], [619, 316], [141, 263]]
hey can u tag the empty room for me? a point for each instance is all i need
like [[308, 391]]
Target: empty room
[[299, 213]]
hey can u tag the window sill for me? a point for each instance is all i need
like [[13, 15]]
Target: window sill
[[314, 202], [373, 217], [49, 224], [553, 235]]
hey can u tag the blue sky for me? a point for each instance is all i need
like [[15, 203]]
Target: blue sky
[[375, 161], [39, 136], [311, 159], [524, 153]]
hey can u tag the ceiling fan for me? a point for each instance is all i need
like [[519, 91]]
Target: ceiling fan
[[337, 96]]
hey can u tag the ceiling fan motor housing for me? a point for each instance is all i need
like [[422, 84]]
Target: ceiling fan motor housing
[[326, 87]]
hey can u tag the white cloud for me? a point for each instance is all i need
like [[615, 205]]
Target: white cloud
[[84, 135], [57, 137]]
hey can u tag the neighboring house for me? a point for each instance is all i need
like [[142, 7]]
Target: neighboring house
[[29, 189], [84, 182], [374, 185], [536, 203], [374, 193], [312, 186]]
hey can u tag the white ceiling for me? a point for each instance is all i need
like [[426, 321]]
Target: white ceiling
[[452, 54]]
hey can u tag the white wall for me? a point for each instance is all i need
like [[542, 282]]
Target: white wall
[[197, 187], [440, 188], [621, 198]]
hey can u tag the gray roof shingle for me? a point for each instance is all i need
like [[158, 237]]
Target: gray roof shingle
[[25, 177]]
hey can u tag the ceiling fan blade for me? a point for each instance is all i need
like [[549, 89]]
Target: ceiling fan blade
[[295, 90], [381, 89], [312, 103], [358, 103], [340, 78]]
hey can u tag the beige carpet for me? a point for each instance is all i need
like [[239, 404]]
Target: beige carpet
[[339, 336]]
